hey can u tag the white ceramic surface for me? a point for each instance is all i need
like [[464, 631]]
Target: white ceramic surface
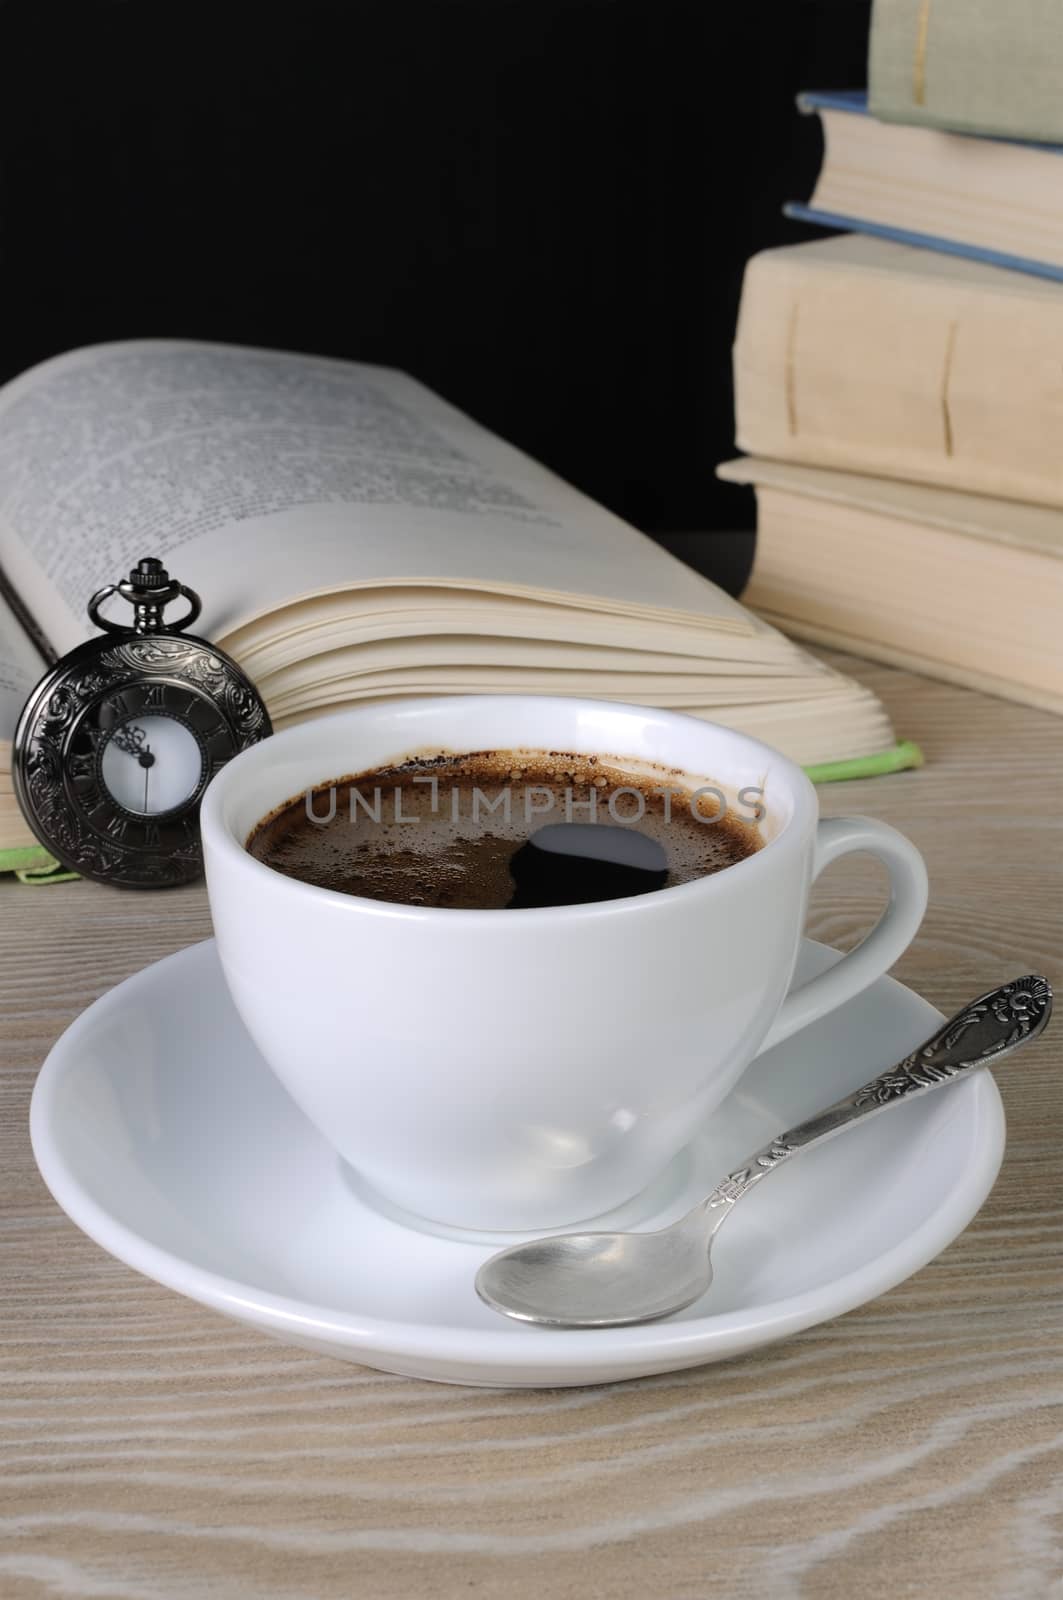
[[163, 1134], [533, 1068]]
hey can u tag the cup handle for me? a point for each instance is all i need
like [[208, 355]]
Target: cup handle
[[891, 935]]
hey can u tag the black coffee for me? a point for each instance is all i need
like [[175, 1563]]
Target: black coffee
[[504, 829]]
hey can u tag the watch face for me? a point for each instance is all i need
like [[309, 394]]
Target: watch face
[[151, 765], [139, 758], [117, 746]]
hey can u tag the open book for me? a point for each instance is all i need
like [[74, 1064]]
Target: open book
[[354, 537]]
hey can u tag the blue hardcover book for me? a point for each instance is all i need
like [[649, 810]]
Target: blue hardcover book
[[994, 200]]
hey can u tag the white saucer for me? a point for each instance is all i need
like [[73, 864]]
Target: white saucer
[[163, 1134]]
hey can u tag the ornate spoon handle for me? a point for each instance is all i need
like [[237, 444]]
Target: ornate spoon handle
[[984, 1029]]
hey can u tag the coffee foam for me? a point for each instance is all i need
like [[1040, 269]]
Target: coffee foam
[[460, 856]]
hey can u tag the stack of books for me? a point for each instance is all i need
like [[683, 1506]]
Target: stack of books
[[899, 388]]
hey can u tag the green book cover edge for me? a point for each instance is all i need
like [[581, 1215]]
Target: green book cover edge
[[898, 758], [33, 864]]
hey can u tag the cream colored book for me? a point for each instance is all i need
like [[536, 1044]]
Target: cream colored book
[[947, 191], [871, 356], [353, 536], [957, 586]]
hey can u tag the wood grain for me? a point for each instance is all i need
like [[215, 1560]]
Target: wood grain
[[912, 1448]]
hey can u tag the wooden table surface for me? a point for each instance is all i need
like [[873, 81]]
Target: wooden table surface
[[911, 1448]]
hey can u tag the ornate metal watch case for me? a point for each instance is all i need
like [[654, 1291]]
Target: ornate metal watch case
[[120, 738]]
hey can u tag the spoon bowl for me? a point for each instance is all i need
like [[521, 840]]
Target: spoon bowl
[[607, 1280], [635, 1277]]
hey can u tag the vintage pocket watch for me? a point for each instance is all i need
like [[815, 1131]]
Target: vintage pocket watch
[[118, 741]]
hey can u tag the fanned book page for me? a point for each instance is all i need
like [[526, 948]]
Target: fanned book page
[[21, 665], [354, 535], [281, 476]]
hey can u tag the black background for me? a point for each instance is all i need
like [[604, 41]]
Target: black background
[[539, 207]]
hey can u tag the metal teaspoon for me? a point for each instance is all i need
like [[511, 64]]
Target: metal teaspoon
[[604, 1280]]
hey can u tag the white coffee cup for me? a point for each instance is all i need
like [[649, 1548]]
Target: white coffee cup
[[526, 1069]]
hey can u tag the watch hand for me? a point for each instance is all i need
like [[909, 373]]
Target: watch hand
[[147, 761], [129, 739]]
